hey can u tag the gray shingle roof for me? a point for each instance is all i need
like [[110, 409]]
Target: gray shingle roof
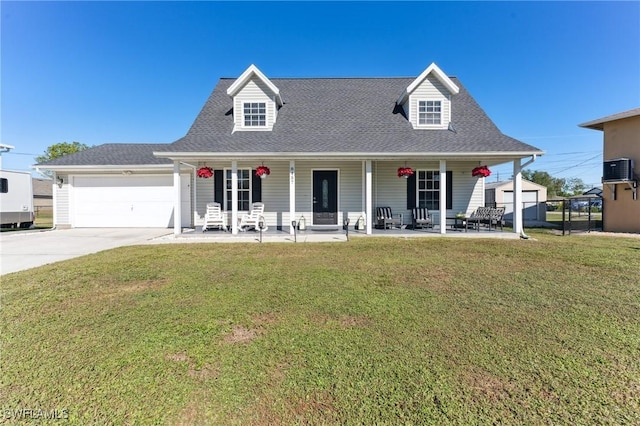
[[320, 115], [113, 154], [344, 115]]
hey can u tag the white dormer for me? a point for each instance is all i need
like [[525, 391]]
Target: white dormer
[[255, 101], [427, 100]]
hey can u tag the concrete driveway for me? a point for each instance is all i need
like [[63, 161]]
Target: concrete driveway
[[22, 250]]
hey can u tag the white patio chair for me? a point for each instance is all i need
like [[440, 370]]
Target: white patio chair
[[250, 220], [214, 218]]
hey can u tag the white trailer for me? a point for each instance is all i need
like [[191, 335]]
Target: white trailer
[[16, 199]]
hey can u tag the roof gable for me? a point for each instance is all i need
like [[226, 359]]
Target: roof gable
[[246, 76], [438, 73]]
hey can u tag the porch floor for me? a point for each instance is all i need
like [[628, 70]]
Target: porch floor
[[321, 235]]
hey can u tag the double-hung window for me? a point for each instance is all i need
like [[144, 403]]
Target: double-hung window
[[244, 189], [429, 189], [429, 113], [255, 114]]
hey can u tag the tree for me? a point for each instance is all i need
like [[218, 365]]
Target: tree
[[556, 187], [574, 186], [59, 150]]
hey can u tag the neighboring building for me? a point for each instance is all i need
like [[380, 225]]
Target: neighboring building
[[621, 152], [42, 195], [534, 199], [597, 191], [333, 147]]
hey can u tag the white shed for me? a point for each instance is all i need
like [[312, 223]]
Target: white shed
[[534, 199]]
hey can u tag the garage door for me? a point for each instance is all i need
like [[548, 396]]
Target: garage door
[[529, 204], [127, 201]]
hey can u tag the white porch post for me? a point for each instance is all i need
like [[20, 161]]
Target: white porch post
[[368, 196], [54, 192], [517, 196], [292, 195], [443, 196], [177, 200], [234, 197]]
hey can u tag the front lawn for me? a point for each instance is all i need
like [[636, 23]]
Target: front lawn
[[374, 331]]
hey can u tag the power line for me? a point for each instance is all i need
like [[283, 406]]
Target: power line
[[21, 153]]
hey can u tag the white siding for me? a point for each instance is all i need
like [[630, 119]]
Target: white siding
[[389, 190], [254, 91], [430, 89], [203, 190], [62, 203], [275, 190]]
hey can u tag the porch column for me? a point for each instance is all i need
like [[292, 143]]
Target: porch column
[[177, 200], [443, 196], [517, 196], [368, 196], [234, 197], [292, 195]]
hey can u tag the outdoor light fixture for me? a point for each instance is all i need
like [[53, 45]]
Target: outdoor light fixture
[[346, 228], [295, 235], [59, 181], [261, 227]]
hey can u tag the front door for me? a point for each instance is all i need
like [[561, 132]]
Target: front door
[[325, 197]]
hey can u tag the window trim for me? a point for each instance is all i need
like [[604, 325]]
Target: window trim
[[412, 189], [244, 115], [418, 190], [226, 192], [430, 125]]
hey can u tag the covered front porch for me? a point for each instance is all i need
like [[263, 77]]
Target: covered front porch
[[324, 193]]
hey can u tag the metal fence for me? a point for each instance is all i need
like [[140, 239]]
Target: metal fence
[[582, 214]]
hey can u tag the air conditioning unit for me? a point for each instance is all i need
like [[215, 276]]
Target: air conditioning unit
[[618, 170]]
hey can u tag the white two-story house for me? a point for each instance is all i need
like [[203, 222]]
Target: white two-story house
[[333, 147]]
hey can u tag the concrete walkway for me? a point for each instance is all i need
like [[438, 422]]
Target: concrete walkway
[[20, 250]]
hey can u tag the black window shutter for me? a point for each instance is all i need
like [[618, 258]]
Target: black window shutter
[[218, 187], [256, 188], [449, 190], [411, 192]]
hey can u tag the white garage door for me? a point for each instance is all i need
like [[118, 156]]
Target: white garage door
[[127, 201]]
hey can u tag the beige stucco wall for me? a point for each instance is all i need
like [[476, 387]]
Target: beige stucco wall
[[622, 140]]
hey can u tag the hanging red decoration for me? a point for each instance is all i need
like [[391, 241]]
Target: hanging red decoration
[[405, 172], [204, 172], [262, 171], [481, 171]]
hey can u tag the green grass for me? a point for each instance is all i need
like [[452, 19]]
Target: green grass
[[44, 219], [374, 331]]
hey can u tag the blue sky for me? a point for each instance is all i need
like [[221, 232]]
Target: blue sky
[[110, 72]]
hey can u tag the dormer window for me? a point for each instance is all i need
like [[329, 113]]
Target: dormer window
[[427, 101], [256, 101], [429, 113], [255, 114]]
